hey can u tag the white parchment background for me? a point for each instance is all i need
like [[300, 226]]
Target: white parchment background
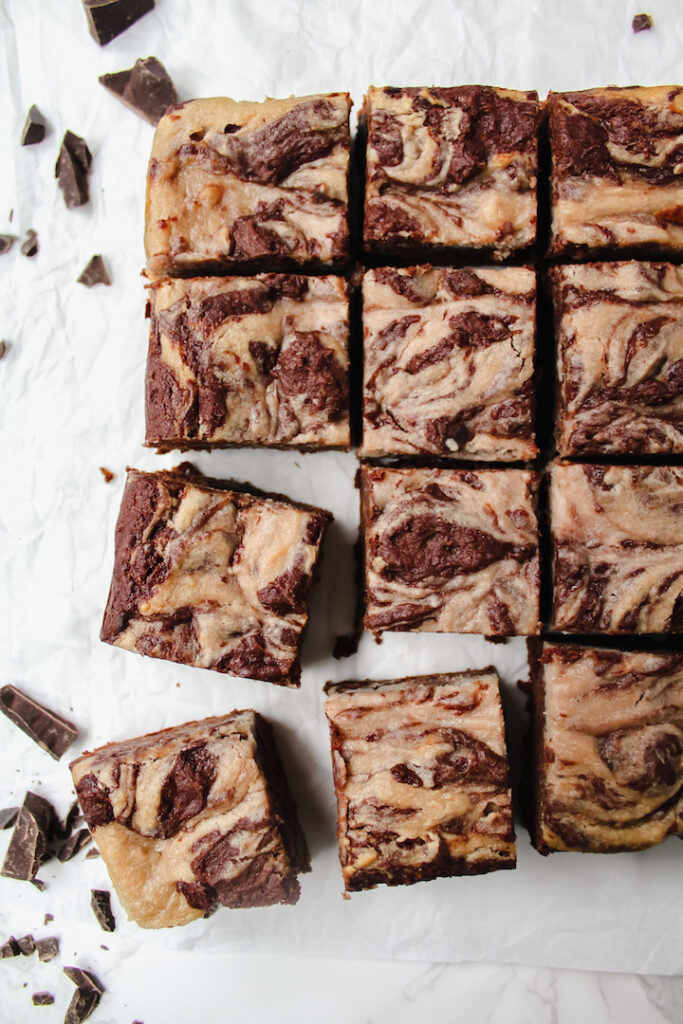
[[71, 400]]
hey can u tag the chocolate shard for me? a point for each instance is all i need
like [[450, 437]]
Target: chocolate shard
[[8, 815], [42, 998], [101, 908], [107, 19], [6, 243], [48, 918], [29, 247], [92, 853], [107, 474], [35, 127], [72, 168], [9, 949], [94, 273], [74, 819], [27, 945], [39, 884], [74, 844], [641, 23], [146, 88], [48, 948], [88, 994], [34, 825], [45, 727]]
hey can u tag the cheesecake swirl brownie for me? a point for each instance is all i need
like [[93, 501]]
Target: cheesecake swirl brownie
[[619, 358], [421, 777], [194, 817], [253, 185], [218, 579], [618, 548], [617, 156], [450, 551], [450, 168], [609, 748], [248, 361], [449, 362]]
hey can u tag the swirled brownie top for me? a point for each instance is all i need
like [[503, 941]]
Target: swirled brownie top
[[449, 362], [253, 185], [194, 816], [451, 168], [616, 178], [421, 777], [618, 548], [610, 748], [619, 358], [212, 578], [450, 551], [248, 361]]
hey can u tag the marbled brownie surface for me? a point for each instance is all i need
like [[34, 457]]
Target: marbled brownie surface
[[618, 548], [194, 816], [450, 551], [259, 185], [421, 777], [449, 362], [616, 177], [248, 361], [213, 578]]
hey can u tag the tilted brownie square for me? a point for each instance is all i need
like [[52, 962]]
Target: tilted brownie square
[[259, 186], [218, 579], [616, 181], [450, 551], [194, 817], [449, 362], [248, 361], [609, 747], [618, 548], [451, 168], [619, 358], [421, 777]]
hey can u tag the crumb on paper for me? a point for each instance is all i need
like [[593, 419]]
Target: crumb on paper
[[642, 23], [107, 474]]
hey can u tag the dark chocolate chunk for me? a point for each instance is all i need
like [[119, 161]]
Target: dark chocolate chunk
[[107, 474], [35, 823], [94, 273], [46, 728], [641, 23], [74, 844], [48, 918], [88, 994], [48, 948], [146, 88], [6, 243], [34, 127], [43, 998], [27, 945], [92, 853], [39, 884], [8, 815], [29, 247], [107, 19], [72, 168], [3, 353], [101, 908], [9, 948]]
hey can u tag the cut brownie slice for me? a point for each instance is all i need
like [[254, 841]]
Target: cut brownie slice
[[619, 358], [213, 578], [609, 748], [450, 551], [618, 548], [450, 169], [194, 816], [249, 185], [449, 362], [248, 361], [421, 777], [616, 181]]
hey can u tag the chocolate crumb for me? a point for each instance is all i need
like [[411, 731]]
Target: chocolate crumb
[[94, 273], [6, 243], [8, 815], [497, 639], [48, 948], [107, 19], [346, 645], [92, 853], [29, 247], [642, 23], [9, 948], [27, 945], [48, 918], [3, 349], [101, 907], [88, 994], [72, 168], [48, 729], [146, 88], [43, 998], [107, 474], [39, 884], [34, 127]]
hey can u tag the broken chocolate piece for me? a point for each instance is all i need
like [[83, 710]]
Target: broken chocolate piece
[[6, 243], [88, 994], [9, 948], [27, 945], [107, 474], [34, 825], [43, 998], [71, 170], [48, 948], [146, 88], [8, 815], [94, 273], [107, 19], [641, 23], [39, 884], [29, 247], [74, 844], [45, 727], [101, 908], [92, 853], [34, 127], [73, 819], [48, 918]]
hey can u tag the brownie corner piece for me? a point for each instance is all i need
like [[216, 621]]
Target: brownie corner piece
[[254, 186], [449, 362], [213, 578], [616, 184], [450, 168], [608, 731], [421, 778], [194, 817]]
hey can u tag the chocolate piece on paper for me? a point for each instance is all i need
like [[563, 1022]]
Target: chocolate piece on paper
[[101, 908], [48, 918], [6, 243], [29, 247], [35, 824], [34, 127], [48, 948], [74, 844], [42, 999], [94, 273], [88, 994], [3, 353], [73, 819], [641, 23], [45, 727], [39, 884], [9, 949], [27, 945], [107, 19], [8, 815], [107, 474], [72, 168], [146, 88], [92, 853]]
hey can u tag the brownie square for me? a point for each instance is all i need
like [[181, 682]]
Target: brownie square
[[249, 185], [421, 778], [194, 817], [616, 182], [450, 168], [449, 362], [248, 361], [609, 747], [619, 358], [450, 551], [214, 578], [617, 536]]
